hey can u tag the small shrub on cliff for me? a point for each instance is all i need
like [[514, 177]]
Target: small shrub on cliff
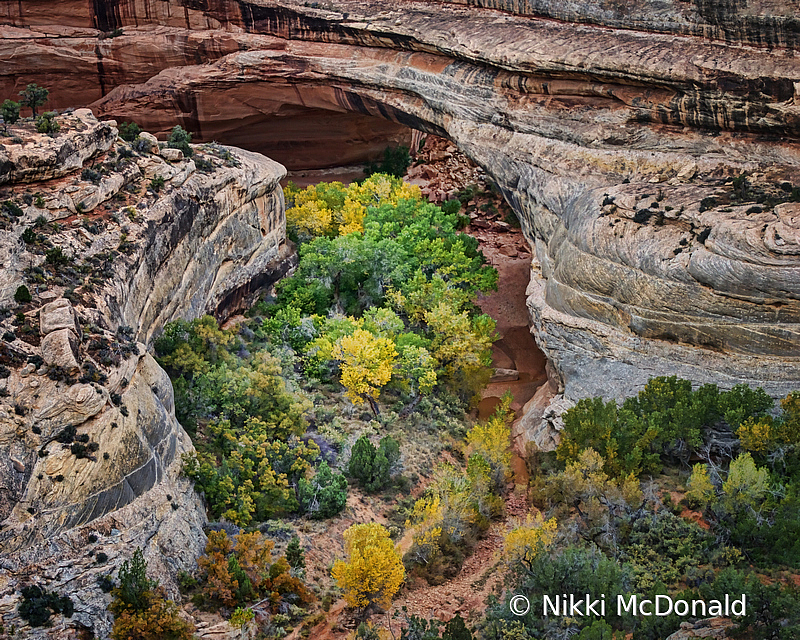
[[29, 236], [56, 257], [33, 96], [157, 183], [22, 295], [90, 175], [180, 139], [39, 605], [129, 131], [10, 111], [46, 123], [12, 208]]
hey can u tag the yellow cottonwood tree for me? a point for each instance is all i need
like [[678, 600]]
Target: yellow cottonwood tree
[[310, 219], [700, 490], [527, 539], [756, 434], [491, 441], [374, 570], [367, 363], [428, 516]]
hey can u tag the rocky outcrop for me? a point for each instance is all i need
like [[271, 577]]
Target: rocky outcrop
[[90, 450], [716, 628], [40, 158], [648, 150]]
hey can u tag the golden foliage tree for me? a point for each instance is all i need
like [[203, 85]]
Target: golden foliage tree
[[158, 621], [239, 573], [374, 571], [700, 490], [367, 363], [220, 584], [756, 434], [527, 539], [335, 210], [597, 498], [491, 441]]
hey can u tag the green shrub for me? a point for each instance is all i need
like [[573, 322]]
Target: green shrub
[[90, 175], [22, 295], [295, 555], [157, 183], [371, 467], [665, 421], [46, 123], [395, 162], [39, 605], [10, 111], [180, 139], [12, 208], [134, 585], [129, 131], [56, 257], [455, 629], [325, 494], [29, 236]]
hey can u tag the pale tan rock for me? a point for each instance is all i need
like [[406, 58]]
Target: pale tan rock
[[204, 245], [60, 348], [53, 157], [715, 628], [504, 375], [151, 140], [173, 155], [687, 172], [58, 314]]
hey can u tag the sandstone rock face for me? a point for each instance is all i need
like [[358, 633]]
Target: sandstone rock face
[[90, 450], [43, 157], [648, 148]]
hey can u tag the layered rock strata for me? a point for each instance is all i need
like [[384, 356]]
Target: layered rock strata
[[111, 250], [650, 154]]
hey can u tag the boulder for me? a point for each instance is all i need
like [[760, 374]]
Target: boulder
[[713, 628], [173, 155], [151, 140], [58, 314], [60, 349], [504, 375]]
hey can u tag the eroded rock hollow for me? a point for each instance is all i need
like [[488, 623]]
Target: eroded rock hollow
[[648, 148]]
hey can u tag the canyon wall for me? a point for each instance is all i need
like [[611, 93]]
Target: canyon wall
[[649, 149], [113, 241]]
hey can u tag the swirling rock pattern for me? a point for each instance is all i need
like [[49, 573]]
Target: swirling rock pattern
[[583, 121], [200, 243]]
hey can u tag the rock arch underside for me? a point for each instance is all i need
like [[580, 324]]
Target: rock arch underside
[[650, 150]]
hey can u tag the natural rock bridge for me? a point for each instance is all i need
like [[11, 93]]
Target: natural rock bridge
[[616, 132]]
